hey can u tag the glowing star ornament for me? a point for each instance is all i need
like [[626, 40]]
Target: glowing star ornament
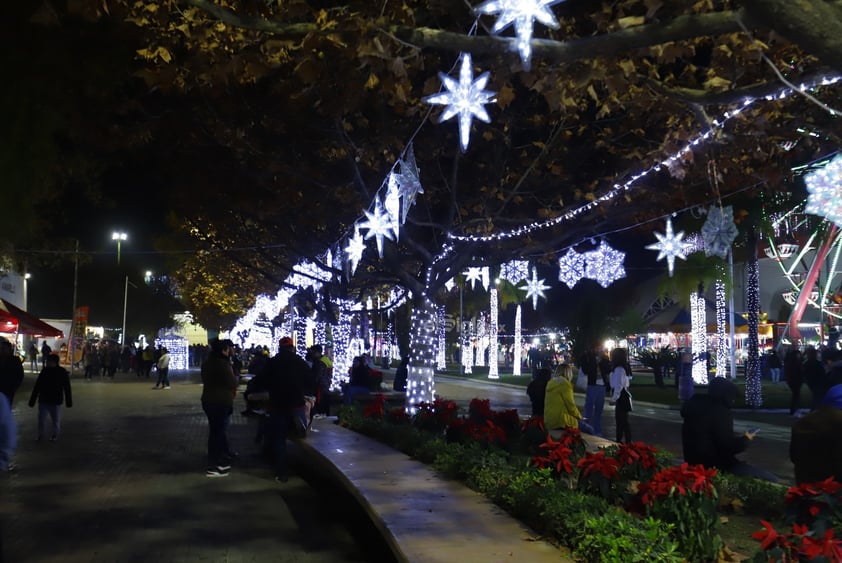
[[354, 250], [465, 98], [825, 191], [378, 225], [477, 274], [408, 181], [571, 268], [535, 288], [719, 231], [392, 204], [522, 14], [669, 246], [604, 265]]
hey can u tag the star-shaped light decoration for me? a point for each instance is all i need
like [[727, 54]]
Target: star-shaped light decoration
[[464, 98], [571, 268], [354, 250], [408, 181], [825, 191], [514, 271], [669, 245], [378, 225], [523, 14], [392, 204], [535, 288], [477, 274], [719, 231], [604, 265]]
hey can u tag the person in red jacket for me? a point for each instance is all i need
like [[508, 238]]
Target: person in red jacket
[[52, 389]]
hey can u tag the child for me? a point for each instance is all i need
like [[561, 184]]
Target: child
[[52, 388], [621, 397]]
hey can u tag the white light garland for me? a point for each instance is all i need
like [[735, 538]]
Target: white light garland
[[423, 345], [698, 328], [535, 288], [669, 246], [493, 368], [825, 191], [754, 394], [465, 98], [467, 347], [518, 342], [571, 268], [477, 274], [605, 264], [522, 14]]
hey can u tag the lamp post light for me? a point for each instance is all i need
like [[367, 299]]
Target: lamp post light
[[119, 237], [147, 277], [26, 277]]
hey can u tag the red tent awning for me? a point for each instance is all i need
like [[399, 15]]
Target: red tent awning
[[23, 323]]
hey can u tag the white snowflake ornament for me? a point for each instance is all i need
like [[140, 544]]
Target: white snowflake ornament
[[719, 231], [514, 271], [465, 98], [669, 246], [571, 268], [605, 264], [825, 191]]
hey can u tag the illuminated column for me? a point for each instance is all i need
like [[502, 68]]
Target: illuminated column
[[320, 333], [754, 397], [722, 342], [423, 343], [341, 348], [441, 352], [467, 348], [699, 336], [492, 336], [300, 336], [518, 341], [481, 340]]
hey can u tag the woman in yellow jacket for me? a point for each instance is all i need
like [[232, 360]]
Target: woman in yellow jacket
[[560, 410]]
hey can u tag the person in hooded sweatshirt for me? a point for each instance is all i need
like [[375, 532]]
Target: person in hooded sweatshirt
[[707, 434], [560, 410], [52, 388], [816, 444]]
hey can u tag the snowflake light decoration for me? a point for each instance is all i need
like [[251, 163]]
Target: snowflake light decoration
[[408, 181], [477, 274], [535, 288], [378, 225], [669, 245], [571, 268], [605, 264], [354, 250], [719, 231], [514, 271], [464, 98], [522, 14], [825, 191]]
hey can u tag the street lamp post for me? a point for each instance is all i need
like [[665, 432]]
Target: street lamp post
[[119, 237], [125, 302]]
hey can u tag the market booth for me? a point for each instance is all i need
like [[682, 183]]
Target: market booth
[[15, 322]]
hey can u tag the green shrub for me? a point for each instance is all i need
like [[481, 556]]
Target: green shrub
[[751, 496], [616, 537]]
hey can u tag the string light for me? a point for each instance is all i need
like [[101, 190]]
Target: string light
[[825, 191], [441, 353], [698, 330], [301, 336], [722, 343], [605, 264], [465, 98], [754, 397], [522, 14], [467, 347], [571, 268], [518, 341], [493, 369], [178, 349], [423, 340], [481, 339], [669, 246]]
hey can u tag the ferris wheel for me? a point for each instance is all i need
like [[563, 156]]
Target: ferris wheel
[[807, 249]]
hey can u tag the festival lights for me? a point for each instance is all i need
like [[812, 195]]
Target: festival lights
[[355, 248], [493, 369], [825, 191], [719, 231], [441, 351], [571, 268], [379, 225], [177, 347], [477, 274], [408, 181], [465, 98], [698, 329], [754, 396], [535, 288], [669, 246], [605, 264], [423, 345], [518, 341], [722, 343], [514, 271], [522, 14]]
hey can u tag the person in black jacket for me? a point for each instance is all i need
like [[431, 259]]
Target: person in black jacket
[[707, 435], [52, 388], [537, 391]]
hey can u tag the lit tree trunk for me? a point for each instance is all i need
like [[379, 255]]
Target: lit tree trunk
[[754, 397], [441, 353], [492, 336], [423, 343], [518, 338], [721, 335]]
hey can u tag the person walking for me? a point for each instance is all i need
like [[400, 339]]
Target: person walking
[[814, 376], [598, 383], [11, 370], [794, 377], [163, 368], [45, 351], [33, 356], [219, 387], [52, 388], [620, 395], [773, 361], [322, 380]]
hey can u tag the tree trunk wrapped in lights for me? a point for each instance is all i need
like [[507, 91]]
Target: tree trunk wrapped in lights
[[518, 342], [722, 344], [492, 336], [754, 397], [423, 343]]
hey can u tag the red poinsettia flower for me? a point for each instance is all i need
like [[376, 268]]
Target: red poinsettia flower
[[768, 537], [826, 546], [376, 408], [534, 422], [598, 462]]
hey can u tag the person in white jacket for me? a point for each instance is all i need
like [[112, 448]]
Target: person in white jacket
[[163, 367], [620, 395]]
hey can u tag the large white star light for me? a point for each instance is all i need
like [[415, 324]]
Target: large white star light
[[408, 181], [825, 191], [604, 265], [523, 14], [535, 288], [355, 248], [669, 245], [392, 204], [571, 268], [719, 231], [378, 225], [464, 98]]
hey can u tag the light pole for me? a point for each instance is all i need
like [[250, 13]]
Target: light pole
[[125, 302], [26, 277], [119, 237]]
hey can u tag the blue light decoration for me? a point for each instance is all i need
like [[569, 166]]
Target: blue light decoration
[[522, 14], [408, 180], [605, 264], [824, 187], [354, 250], [571, 268], [669, 246], [465, 98], [719, 231]]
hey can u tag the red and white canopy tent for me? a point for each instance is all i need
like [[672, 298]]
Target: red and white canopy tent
[[17, 321]]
